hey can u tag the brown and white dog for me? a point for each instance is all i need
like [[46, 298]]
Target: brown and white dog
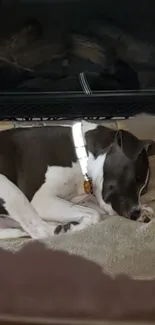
[[42, 171]]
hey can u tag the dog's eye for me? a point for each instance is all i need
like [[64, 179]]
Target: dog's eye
[[138, 179], [121, 200], [111, 187]]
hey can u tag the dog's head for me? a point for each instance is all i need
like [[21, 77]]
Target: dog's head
[[124, 175]]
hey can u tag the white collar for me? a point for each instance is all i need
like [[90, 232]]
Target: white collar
[[80, 147]]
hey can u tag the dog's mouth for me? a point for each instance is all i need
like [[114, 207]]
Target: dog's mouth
[[135, 214], [128, 209]]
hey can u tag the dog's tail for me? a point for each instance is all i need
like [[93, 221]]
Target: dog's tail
[[19, 209]]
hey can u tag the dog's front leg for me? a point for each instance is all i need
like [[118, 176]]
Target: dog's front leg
[[20, 210], [147, 214], [61, 211]]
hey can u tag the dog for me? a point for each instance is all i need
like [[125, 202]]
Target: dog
[[43, 168]]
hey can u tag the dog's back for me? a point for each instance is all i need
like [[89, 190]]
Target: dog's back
[[25, 154]]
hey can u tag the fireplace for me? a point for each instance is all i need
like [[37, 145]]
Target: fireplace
[[76, 58]]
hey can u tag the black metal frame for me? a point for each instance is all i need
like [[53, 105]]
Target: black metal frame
[[72, 105]]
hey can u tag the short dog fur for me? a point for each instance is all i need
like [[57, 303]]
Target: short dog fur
[[40, 177]]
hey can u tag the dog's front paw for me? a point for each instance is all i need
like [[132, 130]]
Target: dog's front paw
[[67, 227], [147, 214]]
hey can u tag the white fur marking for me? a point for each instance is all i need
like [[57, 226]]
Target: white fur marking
[[62, 184], [95, 171], [51, 201], [12, 233], [19, 208]]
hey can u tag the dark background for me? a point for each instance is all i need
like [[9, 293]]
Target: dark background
[[136, 17]]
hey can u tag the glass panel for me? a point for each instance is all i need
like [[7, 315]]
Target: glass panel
[[82, 46]]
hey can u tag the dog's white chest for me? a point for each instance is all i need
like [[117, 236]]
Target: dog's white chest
[[64, 182]]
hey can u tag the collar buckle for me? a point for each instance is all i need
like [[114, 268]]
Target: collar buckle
[[88, 185]]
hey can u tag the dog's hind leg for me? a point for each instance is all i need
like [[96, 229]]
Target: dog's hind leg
[[9, 228], [12, 233], [20, 210]]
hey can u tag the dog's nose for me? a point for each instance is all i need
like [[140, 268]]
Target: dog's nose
[[135, 214]]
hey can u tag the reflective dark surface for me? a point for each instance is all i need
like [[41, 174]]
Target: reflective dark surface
[[77, 46]]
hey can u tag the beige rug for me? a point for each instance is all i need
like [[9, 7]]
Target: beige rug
[[117, 244]]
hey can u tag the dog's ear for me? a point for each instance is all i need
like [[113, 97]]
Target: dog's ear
[[141, 157], [142, 169], [119, 138], [131, 145], [149, 146]]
